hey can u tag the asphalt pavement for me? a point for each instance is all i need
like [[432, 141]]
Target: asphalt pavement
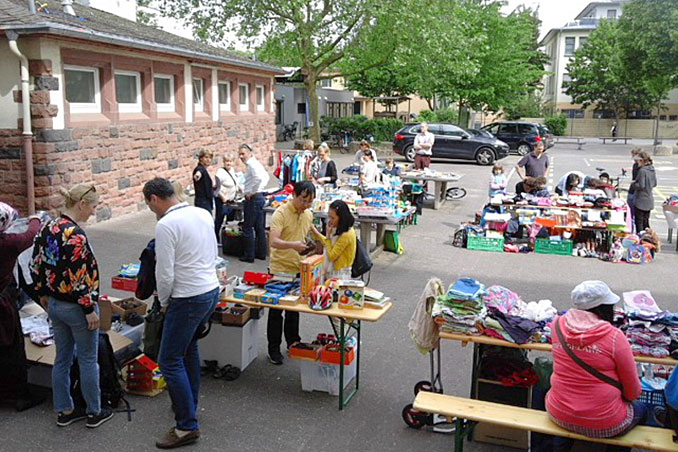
[[266, 410]]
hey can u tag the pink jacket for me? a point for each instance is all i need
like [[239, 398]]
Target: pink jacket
[[576, 396]]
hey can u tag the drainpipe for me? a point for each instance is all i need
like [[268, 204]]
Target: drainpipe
[[27, 132], [67, 5]]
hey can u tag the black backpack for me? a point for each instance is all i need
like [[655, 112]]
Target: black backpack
[[460, 237], [109, 379], [146, 277]]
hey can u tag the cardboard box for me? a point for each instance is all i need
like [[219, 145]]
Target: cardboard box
[[236, 315], [304, 353], [351, 294], [126, 306], [105, 313], [47, 355], [255, 295], [311, 273], [332, 354], [289, 300], [502, 436]]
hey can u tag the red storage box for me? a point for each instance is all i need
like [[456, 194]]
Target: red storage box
[[120, 283], [305, 353], [331, 353]]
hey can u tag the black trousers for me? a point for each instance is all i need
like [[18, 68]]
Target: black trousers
[[642, 219], [274, 328]]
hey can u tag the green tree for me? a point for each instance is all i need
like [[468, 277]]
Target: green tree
[[145, 15], [530, 105], [600, 75], [318, 36]]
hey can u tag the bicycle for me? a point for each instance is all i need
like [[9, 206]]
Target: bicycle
[[454, 193], [289, 131]]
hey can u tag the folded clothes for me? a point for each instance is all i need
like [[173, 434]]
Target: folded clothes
[[466, 289], [640, 301], [520, 329], [503, 299], [657, 352]]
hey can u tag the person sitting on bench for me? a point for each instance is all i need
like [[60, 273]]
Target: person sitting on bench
[[594, 382]]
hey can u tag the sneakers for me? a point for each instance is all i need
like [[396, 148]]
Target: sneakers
[[171, 440], [76, 415], [276, 357], [95, 420]]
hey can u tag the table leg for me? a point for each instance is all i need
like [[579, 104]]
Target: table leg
[[343, 333], [443, 192], [671, 235], [381, 232], [365, 232], [436, 195]]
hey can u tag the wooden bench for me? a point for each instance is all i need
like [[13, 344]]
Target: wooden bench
[[579, 141], [468, 411], [626, 139]]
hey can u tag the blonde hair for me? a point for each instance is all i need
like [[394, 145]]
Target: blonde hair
[[80, 192], [308, 145], [323, 147], [179, 191], [205, 153], [636, 151]]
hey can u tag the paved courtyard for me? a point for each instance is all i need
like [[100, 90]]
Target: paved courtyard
[[266, 410]]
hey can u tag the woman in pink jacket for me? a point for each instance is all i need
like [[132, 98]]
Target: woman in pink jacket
[[580, 401]]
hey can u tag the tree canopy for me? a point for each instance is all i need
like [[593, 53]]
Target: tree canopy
[[601, 76]]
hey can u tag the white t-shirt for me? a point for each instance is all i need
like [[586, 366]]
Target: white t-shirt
[[369, 172], [230, 183], [424, 138]]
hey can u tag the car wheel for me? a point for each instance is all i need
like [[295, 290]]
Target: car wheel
[[524, 149], [485, 157], [409, 153]]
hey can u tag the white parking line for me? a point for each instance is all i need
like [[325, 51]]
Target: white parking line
[[587, 162]]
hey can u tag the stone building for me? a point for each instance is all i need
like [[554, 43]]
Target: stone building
[[114, 103]]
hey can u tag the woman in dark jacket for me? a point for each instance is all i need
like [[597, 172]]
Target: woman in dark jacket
[[203, 183], [13, 376], [642, 187], [327, 172]]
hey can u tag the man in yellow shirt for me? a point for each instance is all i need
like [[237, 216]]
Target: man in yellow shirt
[[290, 225]]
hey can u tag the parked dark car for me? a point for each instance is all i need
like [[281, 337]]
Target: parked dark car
[[452, 142], [521, 136]]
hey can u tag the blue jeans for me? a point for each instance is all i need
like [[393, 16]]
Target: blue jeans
[[70, 332], [179, 358], [255, 224]]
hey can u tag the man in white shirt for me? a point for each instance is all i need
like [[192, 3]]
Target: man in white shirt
[[256, 179], [423, 145], [187, 285]]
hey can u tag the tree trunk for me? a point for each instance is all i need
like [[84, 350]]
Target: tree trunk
[[430, 105], [313, 114]]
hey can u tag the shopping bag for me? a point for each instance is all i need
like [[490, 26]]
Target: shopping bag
[[362, 263], [153, 330]]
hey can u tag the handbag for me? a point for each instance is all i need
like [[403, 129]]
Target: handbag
[[362, 263], [587, 367], [153, 330]]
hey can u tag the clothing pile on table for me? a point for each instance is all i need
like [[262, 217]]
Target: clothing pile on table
[[513, 320], [649, 330], [461, 309]]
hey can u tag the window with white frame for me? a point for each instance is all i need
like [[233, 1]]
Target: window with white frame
[[244, 94], [128, 91], [198, 94], [224, 96], [82, 89], [569, 46], [261, 98], [163, 86]]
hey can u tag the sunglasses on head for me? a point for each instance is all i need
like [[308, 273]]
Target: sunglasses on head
[[90, 189]]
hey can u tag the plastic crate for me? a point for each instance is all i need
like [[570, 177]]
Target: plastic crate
[[476, 242], [654, 398], [547, 246]]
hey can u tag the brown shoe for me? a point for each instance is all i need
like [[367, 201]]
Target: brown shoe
[[171, 440]]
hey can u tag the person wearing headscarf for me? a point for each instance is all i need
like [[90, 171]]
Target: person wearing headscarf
[[13, 370]]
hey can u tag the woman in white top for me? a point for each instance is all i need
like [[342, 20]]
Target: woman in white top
[[369, 170], [230, 186]]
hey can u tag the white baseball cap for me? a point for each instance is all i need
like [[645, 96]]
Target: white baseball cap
[[590, 294]]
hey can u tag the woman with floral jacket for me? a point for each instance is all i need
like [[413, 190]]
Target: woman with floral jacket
[[66, 276]]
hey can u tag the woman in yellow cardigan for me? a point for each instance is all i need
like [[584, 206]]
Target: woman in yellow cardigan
[[340, 243]]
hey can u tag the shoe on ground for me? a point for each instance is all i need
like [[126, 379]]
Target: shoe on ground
[[276, 358], [78, 414], [244, 259], [171, 440], [95, 420]]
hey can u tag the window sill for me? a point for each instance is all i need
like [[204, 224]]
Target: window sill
[[90, 119], [125, 117], [201, 116], [170, 115]]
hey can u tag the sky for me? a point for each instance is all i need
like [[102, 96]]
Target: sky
[[553, 13]]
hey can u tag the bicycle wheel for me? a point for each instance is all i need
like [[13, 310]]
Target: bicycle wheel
[[455, 193]]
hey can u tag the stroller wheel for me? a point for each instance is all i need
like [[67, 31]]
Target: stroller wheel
[[412, 417], [423, 385]]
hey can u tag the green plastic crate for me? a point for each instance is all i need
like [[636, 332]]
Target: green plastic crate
[[547, 246], [485, 244]]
